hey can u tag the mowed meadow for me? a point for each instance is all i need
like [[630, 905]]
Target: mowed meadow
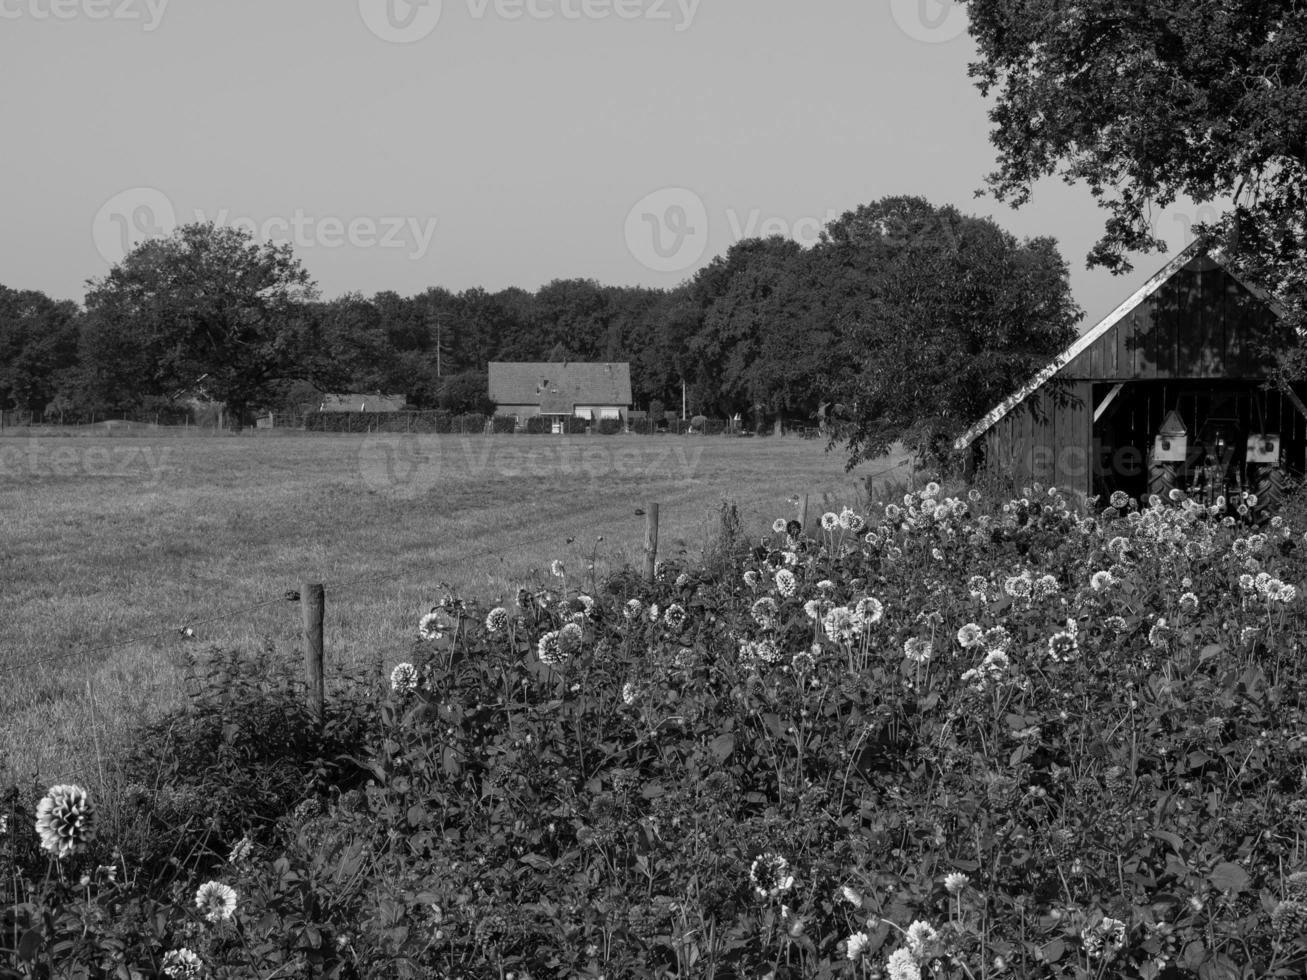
[[116, 543]]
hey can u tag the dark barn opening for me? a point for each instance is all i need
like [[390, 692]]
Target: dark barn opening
[[1219, 418]]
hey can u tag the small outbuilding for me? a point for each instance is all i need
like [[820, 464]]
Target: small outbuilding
[[1169, 390]]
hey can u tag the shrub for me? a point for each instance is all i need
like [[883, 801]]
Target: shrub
[[575, 426], [728, 546], [539, 425], [234, 761], [360, 422], [470, 423], [609, 427], [504, 424]]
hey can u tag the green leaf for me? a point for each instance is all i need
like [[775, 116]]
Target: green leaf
[[1211, 651], [417, 815], [722, 746], [1174, 840], [1229, 877], [29, 945], [1219, 967], [1052, 951]]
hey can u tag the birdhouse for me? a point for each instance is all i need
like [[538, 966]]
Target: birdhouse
[[1264, 448], [1171, 444]]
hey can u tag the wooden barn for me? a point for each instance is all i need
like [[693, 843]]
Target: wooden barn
[[1168, 390]]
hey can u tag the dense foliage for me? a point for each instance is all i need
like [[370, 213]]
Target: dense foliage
[[985, 742], [907, 321], [961, 314], [1150, 102], [38, 346]]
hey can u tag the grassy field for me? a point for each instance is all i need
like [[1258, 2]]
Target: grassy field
[[112, 545]]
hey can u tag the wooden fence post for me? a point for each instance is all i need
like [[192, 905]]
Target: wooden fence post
[[650, 541], [803, 515], [312, 603]]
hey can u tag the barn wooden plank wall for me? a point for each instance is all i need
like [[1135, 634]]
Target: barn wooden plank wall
[[1199, 324], [1047, 437]]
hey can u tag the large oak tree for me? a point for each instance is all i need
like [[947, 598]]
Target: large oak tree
[[206, 305]]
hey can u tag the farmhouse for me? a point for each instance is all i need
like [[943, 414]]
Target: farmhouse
[[573, 388], [1169, 390], [363, 403]]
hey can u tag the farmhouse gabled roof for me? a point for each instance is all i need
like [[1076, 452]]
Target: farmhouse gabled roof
[[573, 382], [1154, 283], [555, 402]]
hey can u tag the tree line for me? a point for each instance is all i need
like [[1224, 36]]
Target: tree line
[[906, 321]]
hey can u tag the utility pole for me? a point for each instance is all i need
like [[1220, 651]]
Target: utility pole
[[433, 319]]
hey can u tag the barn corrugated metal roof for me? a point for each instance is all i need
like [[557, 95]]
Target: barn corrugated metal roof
[[577, 382], [1154, 283]]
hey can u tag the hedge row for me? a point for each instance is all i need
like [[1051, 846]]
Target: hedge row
[[445, 423], [164, 416], [712, 427], [438, 422]]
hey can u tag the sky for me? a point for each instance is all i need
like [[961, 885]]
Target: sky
[[402, 145]]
